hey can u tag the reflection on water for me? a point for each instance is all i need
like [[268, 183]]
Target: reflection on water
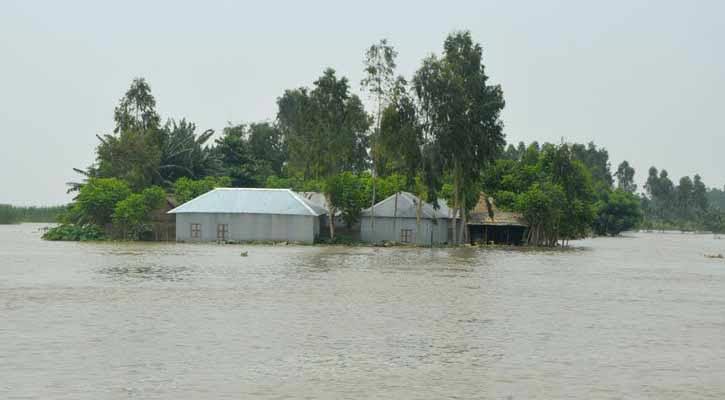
[[145, 273], [635, 317]]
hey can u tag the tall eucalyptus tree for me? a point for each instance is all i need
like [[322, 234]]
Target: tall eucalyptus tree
[[462, 113], [379, 81]]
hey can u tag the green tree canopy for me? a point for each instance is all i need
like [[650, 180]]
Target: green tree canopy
[[461, 113], [97, 200]]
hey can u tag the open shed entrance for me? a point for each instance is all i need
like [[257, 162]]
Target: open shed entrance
[[497, 234]]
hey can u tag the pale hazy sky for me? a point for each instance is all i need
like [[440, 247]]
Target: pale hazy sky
[[645, 79]]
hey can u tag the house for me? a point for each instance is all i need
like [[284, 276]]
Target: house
[[396, 221], [487, 224], [248, 214]]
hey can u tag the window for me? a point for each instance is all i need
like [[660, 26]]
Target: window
[[406, 235], [196, 231], [222, 231]]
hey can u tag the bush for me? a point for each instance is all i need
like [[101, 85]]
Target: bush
[[69, 232], [97, 200], [617, 212], [131, 214]]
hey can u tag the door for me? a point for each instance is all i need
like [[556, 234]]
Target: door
[[222, 232]]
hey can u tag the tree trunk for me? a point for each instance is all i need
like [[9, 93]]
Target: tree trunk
[[374, 172], [455, 207], [418, 211], [372, 201], [331, 222], [330, 216], [395, 215], [462, 234]]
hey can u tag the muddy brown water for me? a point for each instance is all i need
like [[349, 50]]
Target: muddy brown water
[[636, 317]]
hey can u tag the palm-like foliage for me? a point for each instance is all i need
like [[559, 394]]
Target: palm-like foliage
[[174, 151], [184, 154]]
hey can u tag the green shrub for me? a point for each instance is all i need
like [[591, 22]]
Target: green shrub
[[69, 232], [131, 215]]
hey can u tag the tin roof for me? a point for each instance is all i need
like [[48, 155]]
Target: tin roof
[[318, 199], [405, 205], [250, 201]]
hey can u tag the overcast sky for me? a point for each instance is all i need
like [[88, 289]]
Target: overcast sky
[[645, 79]]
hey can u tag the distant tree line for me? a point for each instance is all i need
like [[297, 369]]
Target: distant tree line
[[687, 205], [15, 215], [437, 134]]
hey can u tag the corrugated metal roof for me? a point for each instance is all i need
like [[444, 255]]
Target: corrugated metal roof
[[319, 200], [250, 201], [405, 205]]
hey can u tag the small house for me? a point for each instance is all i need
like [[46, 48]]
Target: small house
[[396, 220], [487, 224], [248, 214]]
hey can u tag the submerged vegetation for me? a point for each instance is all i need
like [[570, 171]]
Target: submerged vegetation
[[437, 134]]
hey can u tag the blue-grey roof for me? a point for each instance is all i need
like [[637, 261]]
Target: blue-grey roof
[[250, 201], [405, 205]]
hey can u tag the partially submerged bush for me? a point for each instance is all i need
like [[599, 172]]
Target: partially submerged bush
[[69, 232]]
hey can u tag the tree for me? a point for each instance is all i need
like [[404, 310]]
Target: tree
[[251, 153], [97, 200], [267, 147], [8, 214], [297, 119], [561, 167], [379, 82], [625, 177], [461, 114], [401, 134], [131, 215], [184, 154], [142, 153], [661, 193], [186, 189], [619, 211], [597, 162], [699, 195], [541, 206], [347, 194], [137, 109], [684, 198], [325, 129], [131, 156]]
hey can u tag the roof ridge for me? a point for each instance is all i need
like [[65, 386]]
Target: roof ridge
[[194, 199], [301, 201], [424, 205]]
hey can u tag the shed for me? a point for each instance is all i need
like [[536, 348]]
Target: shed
[[248, 214], [396, 221], [487, 224]]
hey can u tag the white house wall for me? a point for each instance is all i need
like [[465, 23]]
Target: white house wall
[[389, 229], [249, 227]]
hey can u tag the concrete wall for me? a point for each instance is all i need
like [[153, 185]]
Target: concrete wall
[[388, 229], [249, 227]]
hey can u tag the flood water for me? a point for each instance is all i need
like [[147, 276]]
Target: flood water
[[635, 317]]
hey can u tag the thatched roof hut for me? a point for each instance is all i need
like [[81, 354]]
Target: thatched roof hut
[[488, 224]]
